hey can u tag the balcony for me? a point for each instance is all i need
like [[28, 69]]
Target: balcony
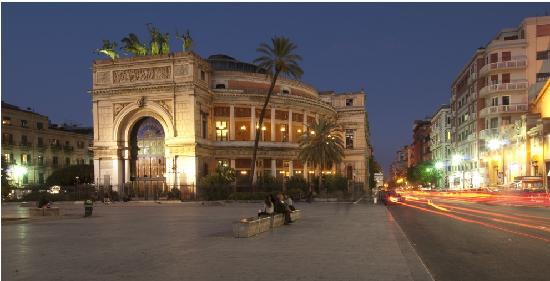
[[515, 63], [55, 146], [501, 109], [68, 148], [519, 85], [488, 134], [25, 144]]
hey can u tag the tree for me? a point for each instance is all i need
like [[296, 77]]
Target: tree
[[67, 176], [276, 59], [423, 173], [6, 186], [322, 146], [108, 49]]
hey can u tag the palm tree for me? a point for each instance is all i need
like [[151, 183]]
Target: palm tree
[[133, 45], [322, 146], [276, 59]]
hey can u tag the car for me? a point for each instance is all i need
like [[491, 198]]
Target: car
[[392, 197]]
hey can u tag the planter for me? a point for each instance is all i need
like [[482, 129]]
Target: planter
[[246, 227], [295, 215]]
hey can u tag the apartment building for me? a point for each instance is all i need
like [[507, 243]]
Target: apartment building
[[440, 136], [490, 94], [420, 147], [32, 148]]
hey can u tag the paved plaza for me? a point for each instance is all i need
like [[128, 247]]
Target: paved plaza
[[187, 241]]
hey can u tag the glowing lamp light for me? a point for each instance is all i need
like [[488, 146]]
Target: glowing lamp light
[[243, 128], [494, 144], [264, 128], [299, 130], [244, 172], [19, 171], [439, 165], [311, 172], [312, 132], [283, 129]]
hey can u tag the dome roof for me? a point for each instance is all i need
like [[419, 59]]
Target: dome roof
[[226, 63]]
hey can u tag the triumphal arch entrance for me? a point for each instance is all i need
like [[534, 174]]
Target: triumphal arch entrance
[[144, 112]]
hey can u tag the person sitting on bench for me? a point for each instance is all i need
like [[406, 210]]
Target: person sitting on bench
[[269, 207], [289, 202], [282, 208]]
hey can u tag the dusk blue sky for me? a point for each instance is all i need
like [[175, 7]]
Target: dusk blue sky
[[405, 56]]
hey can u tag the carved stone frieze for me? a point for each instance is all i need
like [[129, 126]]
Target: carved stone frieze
[[141, 74]]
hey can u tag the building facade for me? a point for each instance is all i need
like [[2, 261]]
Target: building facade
[[491, 94], [33, 149], [165, 121], [398, 168], [440, 136], [420, 147]]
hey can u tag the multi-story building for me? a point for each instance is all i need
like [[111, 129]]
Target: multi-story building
[[398, 168], [440, 136], [165, 121], [489, 95], [420, 147], [33, 149]]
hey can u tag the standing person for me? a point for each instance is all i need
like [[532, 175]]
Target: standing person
[[269, 207]]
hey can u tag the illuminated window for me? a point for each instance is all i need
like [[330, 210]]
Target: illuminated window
[[25, 159], [349, 138], [221, 130], [6, 121], [40, 160], [24, 123]]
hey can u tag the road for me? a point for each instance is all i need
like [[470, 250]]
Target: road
[[465, 240]]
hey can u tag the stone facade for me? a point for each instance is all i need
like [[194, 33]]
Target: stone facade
[[209, 110], [36, 148]]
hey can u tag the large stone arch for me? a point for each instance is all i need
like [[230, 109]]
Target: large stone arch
[[131, 114]]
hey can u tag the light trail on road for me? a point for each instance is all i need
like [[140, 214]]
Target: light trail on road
[[484, 224]]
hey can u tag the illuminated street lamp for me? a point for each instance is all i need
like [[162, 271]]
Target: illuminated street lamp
[[18, 172], [495, 144]]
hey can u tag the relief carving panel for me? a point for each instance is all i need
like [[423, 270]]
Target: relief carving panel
[[141, 74], [181, 70]]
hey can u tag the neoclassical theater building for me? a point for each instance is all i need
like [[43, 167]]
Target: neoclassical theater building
[[165, 121]]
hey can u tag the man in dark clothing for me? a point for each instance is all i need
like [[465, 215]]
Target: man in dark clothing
[[282, 208]]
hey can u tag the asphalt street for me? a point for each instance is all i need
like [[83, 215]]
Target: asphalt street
[[460, 240]]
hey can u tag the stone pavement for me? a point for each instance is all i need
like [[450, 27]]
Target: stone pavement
[[148, 241]]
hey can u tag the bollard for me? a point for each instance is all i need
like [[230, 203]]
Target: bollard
[[88, 207]]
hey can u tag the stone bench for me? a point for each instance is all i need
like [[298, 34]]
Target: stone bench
[[252, 226], [44, 212]]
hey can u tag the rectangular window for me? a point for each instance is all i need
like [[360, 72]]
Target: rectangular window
[[349, 138], [24, 140], [40, 125], [543, 55], [505, 100], [67, 161], [204, 125], [40, 160], [24, 123], [40, 141], [494, 58], [41, 178], [7, 157], [203, 75], [494, 101], [494, 123], [7, 138], [55, 161], [25, 159], [541, 77], [494, 79], [222, 130], [349, 102], [6, 121], [506, 78], [506, 56]]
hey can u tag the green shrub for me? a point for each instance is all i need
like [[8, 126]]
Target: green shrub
[[269, 184], [214, 187], [174, 193], [248, 195], [298, 183], [335, 183]]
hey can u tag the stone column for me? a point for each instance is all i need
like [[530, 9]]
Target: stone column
[[290, 133], [273, 124], [252, 122], [273, 167], [232, 163], [290, 169], [231, 122]]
